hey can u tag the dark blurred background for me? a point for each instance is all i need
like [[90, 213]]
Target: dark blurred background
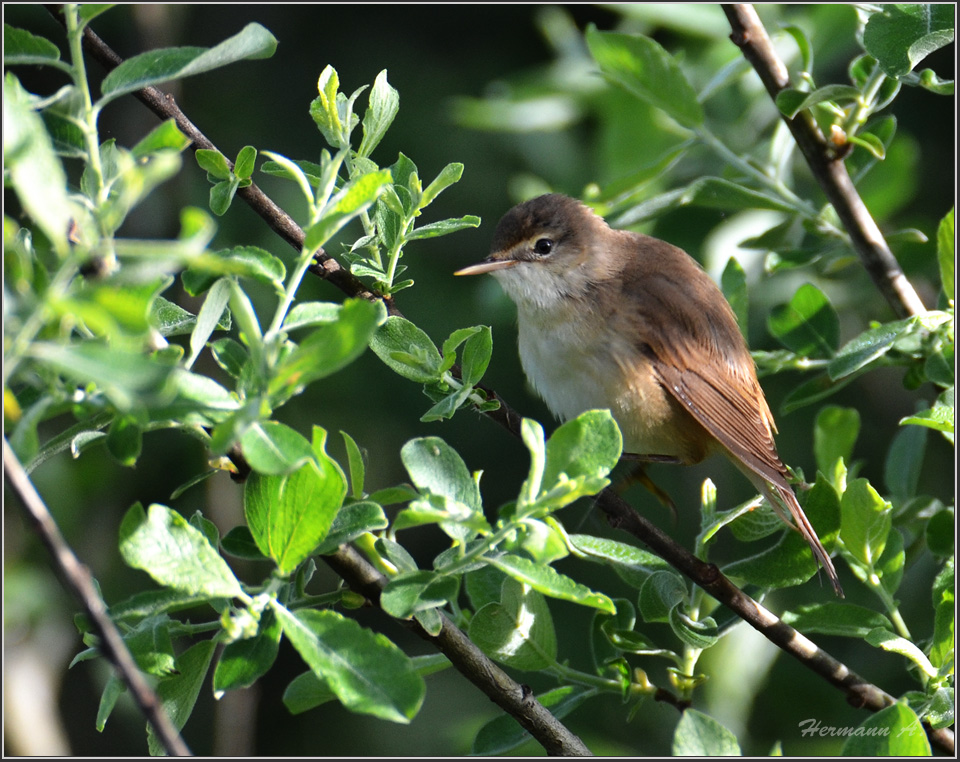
[[434, 55]]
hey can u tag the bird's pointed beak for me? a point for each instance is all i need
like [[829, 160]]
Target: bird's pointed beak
[[488, 265]]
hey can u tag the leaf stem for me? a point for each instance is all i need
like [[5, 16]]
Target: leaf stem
[[91, 112]]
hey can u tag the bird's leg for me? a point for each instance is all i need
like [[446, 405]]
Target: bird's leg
[[638, 475]]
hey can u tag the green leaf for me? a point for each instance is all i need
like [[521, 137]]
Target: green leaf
[[942, 645], [245, 163], [698, 735], [733, 283], [240, 261], [384, 104], [32, 168], [407, 350], [550, 582], [834, 435], [396, 554], [163, 65], [165, 136], [125, 440], [230, 356], [661, 593], [108, 700], [196, 395], [329, 347], [457, 520], [892, 732], [590, 445], [273, 448], [888, 641], [324, 109], [870, 142], [307, 691], [243, 662], [89, 11], [174, 553], [353, 520], [904, 462], [939, 534], [449, 175], [213, 162], [518, 631], [477, 352], [697, 633], [410, 593], [946, 233], [23, 47], [356, 197], [803, 43], [928, 80], [152, 602], [532, 434], [208, 318], [717, 193], [290, 515], [791, 102], [939, 417], [151, 646], [311, 313], [436, 467], [221, 196], [178, 694], [866, 520], [808, 324], [900, 36], [632, 564], [171, 319], [644, 68], [867, 347], [892, 563], [239, 543], [356, 467], [367, 673], [444, 227], [834, 618]]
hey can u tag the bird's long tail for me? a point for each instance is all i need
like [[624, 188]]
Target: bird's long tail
[[781, 495]]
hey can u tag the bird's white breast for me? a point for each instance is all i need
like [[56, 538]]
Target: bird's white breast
[[576, 362]]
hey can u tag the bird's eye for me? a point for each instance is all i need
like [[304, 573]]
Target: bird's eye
[[543, 246]]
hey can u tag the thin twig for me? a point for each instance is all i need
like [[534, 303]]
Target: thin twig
[[859, 691], [77, 578], [514, 698], [829, 170]]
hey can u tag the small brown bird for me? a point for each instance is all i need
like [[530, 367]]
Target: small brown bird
[[619, 320]]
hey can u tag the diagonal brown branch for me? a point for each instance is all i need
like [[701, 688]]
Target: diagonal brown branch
[[78, 580], [830, 171], [859, 691], [515, 699]]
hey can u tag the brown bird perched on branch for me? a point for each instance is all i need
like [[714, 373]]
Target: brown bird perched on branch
[[619, 320]]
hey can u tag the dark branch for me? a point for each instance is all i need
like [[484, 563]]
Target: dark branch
[[829, 170], [77, 578], [470, 661]]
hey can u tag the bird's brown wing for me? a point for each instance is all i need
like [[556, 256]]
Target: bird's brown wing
[[700, 357], [692, 340]]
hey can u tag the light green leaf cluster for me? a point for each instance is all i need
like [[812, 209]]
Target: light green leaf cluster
[[408, 351], [396, 193]]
